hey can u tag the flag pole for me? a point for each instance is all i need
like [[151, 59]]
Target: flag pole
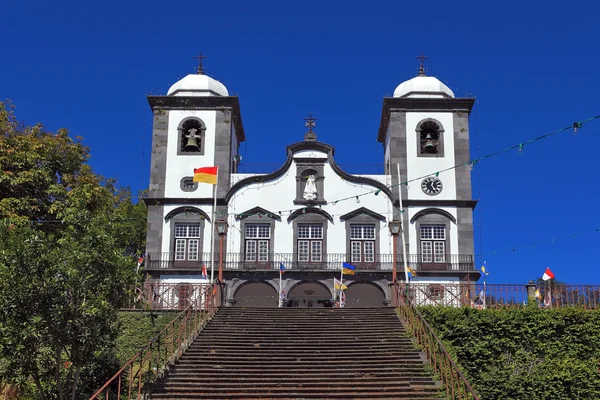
[[341, 284], [213, 228], [484, 283], [402, 225], [280, 287]]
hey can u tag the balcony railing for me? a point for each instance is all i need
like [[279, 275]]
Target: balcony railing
[[291, 261]]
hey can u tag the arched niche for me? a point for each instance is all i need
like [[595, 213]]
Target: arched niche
[[255, 294]]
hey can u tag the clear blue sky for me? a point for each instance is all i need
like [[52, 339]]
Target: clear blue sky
[[533, 67]]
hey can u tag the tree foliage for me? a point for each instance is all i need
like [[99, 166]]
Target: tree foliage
[[69, 240], [524, 353]]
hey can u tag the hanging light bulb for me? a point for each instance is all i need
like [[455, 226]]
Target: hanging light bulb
[[357, 199], [576, 127], [520, 151], [472, 165]]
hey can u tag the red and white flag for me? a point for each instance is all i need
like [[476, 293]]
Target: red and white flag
[[547, 275], [204, 274]]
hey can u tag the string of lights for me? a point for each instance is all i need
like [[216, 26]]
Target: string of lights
[[576, 126], [519, 147]]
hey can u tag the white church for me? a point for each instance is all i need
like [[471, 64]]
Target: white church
[[309, 215]]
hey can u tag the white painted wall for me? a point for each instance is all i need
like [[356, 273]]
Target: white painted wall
[[183, 165], [279, 195], [418, 167]]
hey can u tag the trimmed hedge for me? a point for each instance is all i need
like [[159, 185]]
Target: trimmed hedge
[[523, 353]]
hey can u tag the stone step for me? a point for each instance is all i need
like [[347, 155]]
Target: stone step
[[277, 380], [277, 373], [347, 392], [257, 353]]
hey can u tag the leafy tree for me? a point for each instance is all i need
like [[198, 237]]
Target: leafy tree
[[69, 241]]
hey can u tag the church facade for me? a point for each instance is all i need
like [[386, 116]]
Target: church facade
[[309, 216]]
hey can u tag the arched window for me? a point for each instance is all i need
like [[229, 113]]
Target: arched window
[[191, 136], [430, 138], [309, 184]]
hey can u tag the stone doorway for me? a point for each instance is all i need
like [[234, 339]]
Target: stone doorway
[[364, 294], [309, 295], [255, 294]]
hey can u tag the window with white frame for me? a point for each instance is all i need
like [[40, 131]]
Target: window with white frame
[[310, 242], [362, 243], [433, 243], [257, 242], [187, 242]]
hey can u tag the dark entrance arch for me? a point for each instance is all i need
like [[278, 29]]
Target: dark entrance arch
[[255, 294], [309, 294], [364, 294]]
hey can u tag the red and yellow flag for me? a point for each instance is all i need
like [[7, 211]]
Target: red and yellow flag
[[206, 175]]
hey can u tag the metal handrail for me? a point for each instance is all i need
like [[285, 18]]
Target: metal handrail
[[153, 359], [455, 383]]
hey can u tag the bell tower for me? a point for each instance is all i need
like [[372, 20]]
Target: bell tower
[[197, 124], [424, 130]]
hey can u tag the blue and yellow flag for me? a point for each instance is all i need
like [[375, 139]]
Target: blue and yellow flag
[[348, 269]]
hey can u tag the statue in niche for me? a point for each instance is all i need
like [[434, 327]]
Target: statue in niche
[[310, 190]]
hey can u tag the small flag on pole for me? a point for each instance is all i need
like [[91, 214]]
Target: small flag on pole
[[206, 175], [348, 269], [281, 268], [547, 275], [339, 285], [412, 272], [204, 273]]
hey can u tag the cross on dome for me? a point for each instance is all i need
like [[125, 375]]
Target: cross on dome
[[422, 58], [200, 68]]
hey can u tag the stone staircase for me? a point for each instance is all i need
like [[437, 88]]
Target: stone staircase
[[295, 353]]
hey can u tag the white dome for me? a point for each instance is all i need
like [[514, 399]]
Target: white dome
[[424, 87], [198, 85]]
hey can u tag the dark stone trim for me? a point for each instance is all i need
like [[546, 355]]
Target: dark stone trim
[[440, 153], [183, 181], [419, 104], [200, 103], [180, 137], [258, 210], [184, 217], [439, 203], [308, 160], [427, 211], [309, 202], [364, 211], [311, 219], [182, 210], [301, 146], [309, 210], [254, 219], [150, 201]]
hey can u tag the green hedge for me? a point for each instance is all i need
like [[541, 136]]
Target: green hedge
[[138, 328], [524, 353]]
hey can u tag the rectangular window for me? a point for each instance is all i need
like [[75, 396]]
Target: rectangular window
[[257, 242], [187, 242], [310, 242], [433, 243], [362, 243]]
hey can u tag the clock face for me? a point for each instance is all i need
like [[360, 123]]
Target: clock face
[[431, 186]]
